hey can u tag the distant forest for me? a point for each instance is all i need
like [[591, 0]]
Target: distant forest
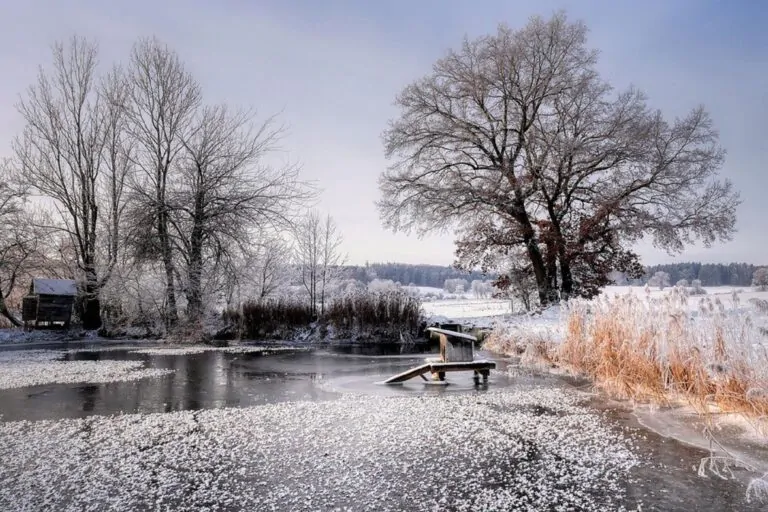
[[710, 274], [418, 275]]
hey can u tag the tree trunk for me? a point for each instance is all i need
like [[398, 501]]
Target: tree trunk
[[195, 270], [566, 277], [322, 294], [172, 314], [534, 254], [551, 263], [7, 314], [90, 306]]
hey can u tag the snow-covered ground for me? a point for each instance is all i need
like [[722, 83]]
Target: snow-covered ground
[[26, 368], [462, 452], [199, 349]]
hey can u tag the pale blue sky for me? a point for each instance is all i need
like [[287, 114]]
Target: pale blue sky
[[333, 69]]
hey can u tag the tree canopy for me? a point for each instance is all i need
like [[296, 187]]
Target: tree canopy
[[515, 140]]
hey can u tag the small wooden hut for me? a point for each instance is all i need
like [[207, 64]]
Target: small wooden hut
[[49, 302]]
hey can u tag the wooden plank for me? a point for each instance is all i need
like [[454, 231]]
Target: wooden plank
[[456, 349], [409, 374], [483, 366], [462, 366], [452, 334]]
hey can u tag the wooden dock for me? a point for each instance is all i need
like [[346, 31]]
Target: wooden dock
[[456, 355], [481, 368]]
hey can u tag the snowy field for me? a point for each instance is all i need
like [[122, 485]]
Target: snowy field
[[460, 452], [483, 312]]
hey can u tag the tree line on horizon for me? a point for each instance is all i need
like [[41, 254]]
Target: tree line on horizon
[[710, 274]]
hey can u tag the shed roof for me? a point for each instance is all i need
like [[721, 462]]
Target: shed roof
[[54, 287]]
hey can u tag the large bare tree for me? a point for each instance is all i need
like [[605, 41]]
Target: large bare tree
[[163, 98], [71, 152], [515, 140], [18, 243], [226, 193]]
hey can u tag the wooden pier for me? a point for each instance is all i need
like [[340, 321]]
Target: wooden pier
[[456, 355]]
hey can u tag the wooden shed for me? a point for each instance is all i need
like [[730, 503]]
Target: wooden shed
[[49, 302]]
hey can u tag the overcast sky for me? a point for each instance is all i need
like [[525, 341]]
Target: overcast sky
[[333, 68]]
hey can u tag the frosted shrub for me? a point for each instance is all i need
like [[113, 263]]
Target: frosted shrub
[[383, 285], [696, 288]]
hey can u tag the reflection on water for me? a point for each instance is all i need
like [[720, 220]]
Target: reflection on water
[[218, 379]]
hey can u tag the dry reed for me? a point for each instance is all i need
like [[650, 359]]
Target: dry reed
[[664, 351]]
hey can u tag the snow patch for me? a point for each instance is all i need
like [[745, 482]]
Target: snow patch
[[199, 349], [25, 368]]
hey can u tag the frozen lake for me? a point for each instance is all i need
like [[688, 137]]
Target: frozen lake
[[218, 430], [216, 379]]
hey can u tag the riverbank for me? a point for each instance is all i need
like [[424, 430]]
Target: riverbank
[[691, 371]]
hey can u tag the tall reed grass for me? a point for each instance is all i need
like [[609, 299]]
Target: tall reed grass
[[385, 314], [264, 318], [664, 350], [391, 311]]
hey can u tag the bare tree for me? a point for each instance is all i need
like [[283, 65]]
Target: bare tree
[[331, 257], [17, 242], [660, 279], [481, 289], [307, 246], [163, 98], [71, 152], [318, 255], [269, 265], [225, 193], [118, 158], [760, 279], [517, 141]]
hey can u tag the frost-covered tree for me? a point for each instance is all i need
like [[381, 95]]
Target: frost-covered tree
[[163, 101], [696, 288], [760, 279], [617, 278], [456, 285], [318, 255], [517, 284], [660, 279], [682, 283], [223, 191], [269, 266], [18, 243], [481, 289], [515, 139], [74, 150], [383, 285]]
